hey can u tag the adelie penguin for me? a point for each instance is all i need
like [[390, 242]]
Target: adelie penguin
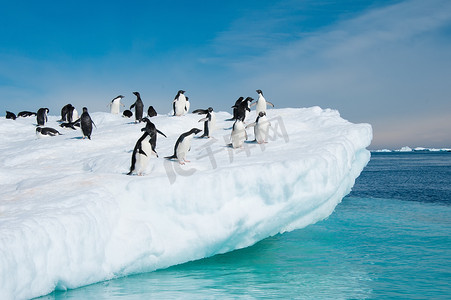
[[151, 112], [25, 114], [179, 103], [139, 107], [127, 113], [261, 128], [116, 104], [242, 109], [209, 120], [64, 112], [261, 103], [238, 135], [41, 116], [152, 130], [46, 132], [86, 123], [183, 145], [141, 153], [10, 115]]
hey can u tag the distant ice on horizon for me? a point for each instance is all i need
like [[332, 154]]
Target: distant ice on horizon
[[69, 216]]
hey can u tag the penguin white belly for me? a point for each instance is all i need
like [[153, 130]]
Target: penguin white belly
[[187, 104], [261, 131], [183, 149], [115, 107], [74, 115], [261, 105], [180, 105], [238, 135], [142, 160], [212, 125]]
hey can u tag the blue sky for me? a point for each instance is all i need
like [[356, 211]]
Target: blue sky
[[387, 63]]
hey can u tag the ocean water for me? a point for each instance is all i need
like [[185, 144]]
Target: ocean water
[[389, 239]]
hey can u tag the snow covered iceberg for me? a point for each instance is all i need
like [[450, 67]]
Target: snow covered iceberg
[[69, 216]]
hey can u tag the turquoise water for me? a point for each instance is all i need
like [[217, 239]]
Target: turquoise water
[[369, 248]]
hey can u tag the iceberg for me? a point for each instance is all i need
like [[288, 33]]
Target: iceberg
[[69, 216]]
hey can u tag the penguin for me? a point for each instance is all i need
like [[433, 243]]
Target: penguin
[[64, 112], [179, 103], [261, 128], [72, 114], [235, 109], [261, 103], [116, 104], [141, 153], [187, 105], [41, 116], [10, 115], [86, 123], [25, 114], [183, 145], [238, 135], [209, 120], [127, 113], [46, 132], [242, 109], [68, 125], [139, 106], [151, 112], [152, 130]]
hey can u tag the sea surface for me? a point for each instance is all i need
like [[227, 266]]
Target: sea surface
[[390, 238]]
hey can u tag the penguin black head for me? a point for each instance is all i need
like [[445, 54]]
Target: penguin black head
[[250, 99], [120, 97], [195, 131], [210, 109], [259, 92], [261, 114], [85, 110], [136, 94], [181, 92], [38, 129], [47, 110]]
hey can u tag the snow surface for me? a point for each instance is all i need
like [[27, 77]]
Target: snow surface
[[69, 216]]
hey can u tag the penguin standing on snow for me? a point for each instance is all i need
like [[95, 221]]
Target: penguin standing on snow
[[116, 104], [179, 103], [72, 114], [238, 135], [152, 130], [46, 132], [139, 107], [183, 145], [86, 123], [235, 109], [141, 153], [209, 120], [242, 109], [64, 112], [41, 116], [261, 103], [261, 128]]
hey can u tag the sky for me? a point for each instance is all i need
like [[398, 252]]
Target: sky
[[386, 63]]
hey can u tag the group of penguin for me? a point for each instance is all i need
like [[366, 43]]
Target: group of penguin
[[146, 144]]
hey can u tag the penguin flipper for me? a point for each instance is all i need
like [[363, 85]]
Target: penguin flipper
[[161, 133], [251, 125], [203, 120], [252, 104], [267, 102], [140, 151], [133, 105]]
